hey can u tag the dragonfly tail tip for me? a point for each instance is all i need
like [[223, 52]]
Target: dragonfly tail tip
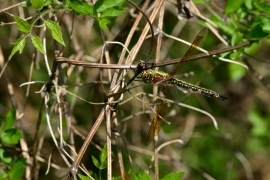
[[223, 98]]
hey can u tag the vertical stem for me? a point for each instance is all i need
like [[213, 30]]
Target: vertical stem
[[117, 141], [156, 158], [109, 144], [155, 90]]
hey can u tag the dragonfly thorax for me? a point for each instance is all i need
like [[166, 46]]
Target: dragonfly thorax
[[152, 76]]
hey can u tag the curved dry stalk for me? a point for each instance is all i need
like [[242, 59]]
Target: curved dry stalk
[[245, 164]]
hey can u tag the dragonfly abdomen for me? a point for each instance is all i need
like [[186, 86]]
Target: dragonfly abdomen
[[190, 88]]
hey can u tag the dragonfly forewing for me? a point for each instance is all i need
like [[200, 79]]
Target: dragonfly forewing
[[193, 46], [156, 122]]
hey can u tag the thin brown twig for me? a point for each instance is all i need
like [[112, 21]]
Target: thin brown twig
[[159, 64]]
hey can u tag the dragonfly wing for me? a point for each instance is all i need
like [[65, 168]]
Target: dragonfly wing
[[155, 123], [193, 46]]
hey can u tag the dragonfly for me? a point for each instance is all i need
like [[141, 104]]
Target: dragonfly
[[164, 79]]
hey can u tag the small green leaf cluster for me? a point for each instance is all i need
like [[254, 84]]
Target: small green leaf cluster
[[14, 168], [101, 11], [247, 20], [100, 164], [143, 176], [25, 27], [244, 20]]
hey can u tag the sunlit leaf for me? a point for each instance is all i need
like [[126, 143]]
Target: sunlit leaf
[[17, 169], [19, 47], [11, 136], [263, 7], [101, 5], [56, 31], [174, 176], [17, 41], [237, 38], [103, 23], [37, 43], [10, 118], [82, 177], [95, 161], [4, 159], [47, 2], [229, 29], [266, 24], [139, 175], [248, 4], [252, 49], [200, 1], [82, 8], [233, 5], [37, 4], [112, 12], [103, 157], [23, 25]]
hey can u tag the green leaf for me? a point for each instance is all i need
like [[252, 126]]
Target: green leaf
[[233, 5], [236, 72], [248, 4], [82, 8], [101, 5], [47, 2], [26, 4], [174, 176], [17, 41], [10, 118], [252, 49], [95, 161], [56, 31], [139, 175], [237, 38], [19, 47], [103, 23], [37, 4], [257, 33], [260, 127], [103, 157], [263, 7], [198, 1], [92, 174], [112, 12], [266, 24], [23, 25], [3, 159], [17, 169], [82, 177], [11, 136], [227, 28], [37, 43]]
